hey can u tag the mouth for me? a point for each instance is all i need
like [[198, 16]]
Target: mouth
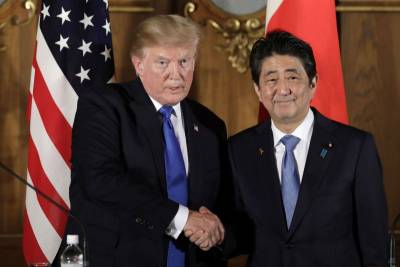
[[175, 88], [285, 101]]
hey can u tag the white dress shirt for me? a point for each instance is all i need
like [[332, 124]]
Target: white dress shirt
[[178, 223], [304, 132]]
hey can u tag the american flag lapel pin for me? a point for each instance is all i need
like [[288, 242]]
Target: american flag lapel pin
[[196, 128]]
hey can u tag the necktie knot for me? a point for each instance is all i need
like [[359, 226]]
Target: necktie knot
[[166, 111], [290, 142]]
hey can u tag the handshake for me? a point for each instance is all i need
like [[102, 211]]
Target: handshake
[[204, 229]]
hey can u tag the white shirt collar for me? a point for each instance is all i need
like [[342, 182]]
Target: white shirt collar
[[177, 108], [302, 131]]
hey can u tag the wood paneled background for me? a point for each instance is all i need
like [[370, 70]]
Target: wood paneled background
[[369, 36]]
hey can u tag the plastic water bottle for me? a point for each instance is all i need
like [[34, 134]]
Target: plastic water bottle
[[72, 255]]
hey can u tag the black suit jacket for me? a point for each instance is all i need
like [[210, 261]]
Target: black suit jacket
[[341, 216], [118, 188]]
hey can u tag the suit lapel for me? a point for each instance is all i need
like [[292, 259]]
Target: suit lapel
[[147, 119], [192, 132], [268, 179], [319, 156]]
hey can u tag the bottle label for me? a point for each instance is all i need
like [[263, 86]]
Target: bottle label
[[71, 265]]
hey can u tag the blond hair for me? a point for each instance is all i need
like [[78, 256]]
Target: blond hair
[[165, 30]]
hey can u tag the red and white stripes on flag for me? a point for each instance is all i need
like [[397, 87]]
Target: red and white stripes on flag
[[73, 52], [315, 23], [51, 115]]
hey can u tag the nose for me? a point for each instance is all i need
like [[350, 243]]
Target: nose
[[174, 71], [282, 87]]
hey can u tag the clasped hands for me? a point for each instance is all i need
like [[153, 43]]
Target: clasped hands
[[204, 229]]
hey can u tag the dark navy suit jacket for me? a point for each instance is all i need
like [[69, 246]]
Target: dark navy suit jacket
[[118, 188], [341, 215]]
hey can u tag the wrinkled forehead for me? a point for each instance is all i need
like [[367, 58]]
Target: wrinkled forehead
[[282, 63], [168, 51]]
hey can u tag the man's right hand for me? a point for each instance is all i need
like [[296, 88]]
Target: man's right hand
[[204, 229]]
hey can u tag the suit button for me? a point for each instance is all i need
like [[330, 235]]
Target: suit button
[[289, 245], [150, 227], [139, 220]]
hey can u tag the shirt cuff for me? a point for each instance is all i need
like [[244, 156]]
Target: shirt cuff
[[176, 226]]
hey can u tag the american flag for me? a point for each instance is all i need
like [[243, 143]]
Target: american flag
[[73, 52]]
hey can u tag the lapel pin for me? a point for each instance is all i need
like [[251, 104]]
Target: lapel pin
[[196, 128], [261, 151], [324, 150], [323, 153]]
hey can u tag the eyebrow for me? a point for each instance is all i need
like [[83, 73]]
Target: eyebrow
[[270, 72], [292, 70], [161, 57]]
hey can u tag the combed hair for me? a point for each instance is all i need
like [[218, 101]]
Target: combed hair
[[281, 43], [165, 30]]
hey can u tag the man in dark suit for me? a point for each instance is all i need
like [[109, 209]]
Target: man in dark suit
[[309, 190], [147, 162]]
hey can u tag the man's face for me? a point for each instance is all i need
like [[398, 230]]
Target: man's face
[[285, 90], [166, 72]]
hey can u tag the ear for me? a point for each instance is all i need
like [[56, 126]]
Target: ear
[[138, 64], [313, 86], [257, 90]]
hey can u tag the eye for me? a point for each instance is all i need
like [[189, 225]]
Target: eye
[[271, 81], [162, 63], [184, 62]]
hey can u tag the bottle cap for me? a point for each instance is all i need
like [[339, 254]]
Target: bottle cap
[[72, 239]]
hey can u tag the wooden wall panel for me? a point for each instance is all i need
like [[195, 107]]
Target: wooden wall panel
[[371, 66], [15, 58], [221, 88]]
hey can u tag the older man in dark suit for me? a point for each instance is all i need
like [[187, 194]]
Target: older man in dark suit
[[309, 190], [146, 161]]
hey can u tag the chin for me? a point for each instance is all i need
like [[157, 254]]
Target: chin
[[173, 100], [285, 112]]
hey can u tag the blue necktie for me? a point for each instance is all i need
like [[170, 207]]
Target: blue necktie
[[290, 177], [176, 179]]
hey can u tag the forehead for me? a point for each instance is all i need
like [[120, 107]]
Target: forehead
[[170, 51], [281, 63]]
